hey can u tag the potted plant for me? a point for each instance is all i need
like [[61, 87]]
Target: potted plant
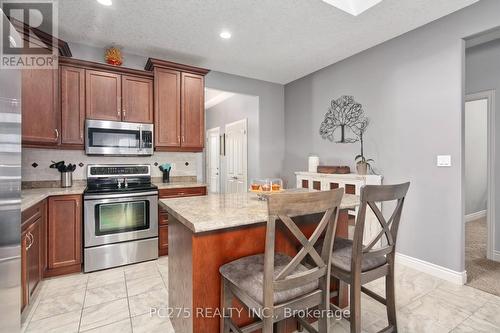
[[362, 163]]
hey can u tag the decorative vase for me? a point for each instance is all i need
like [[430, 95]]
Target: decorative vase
[[362, 168], [166, 176]]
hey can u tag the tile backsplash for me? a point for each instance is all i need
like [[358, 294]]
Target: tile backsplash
[[35, 163]]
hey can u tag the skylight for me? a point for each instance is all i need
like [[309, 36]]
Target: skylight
[[353, 7]]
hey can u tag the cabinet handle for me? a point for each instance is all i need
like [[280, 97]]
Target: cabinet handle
[[30, 238], [118, 106], [57, 133], [183, 139], [124, 113], [178, 138]]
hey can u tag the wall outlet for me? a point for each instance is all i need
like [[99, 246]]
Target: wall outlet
[[444, 160]]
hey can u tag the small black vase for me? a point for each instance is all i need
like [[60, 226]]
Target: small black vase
[[166, 176]]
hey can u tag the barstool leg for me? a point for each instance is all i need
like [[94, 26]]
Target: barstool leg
[[227, 299], [355, 306], [390, 297], [268, 325]]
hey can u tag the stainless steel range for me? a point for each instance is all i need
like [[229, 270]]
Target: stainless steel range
[[120, 216]]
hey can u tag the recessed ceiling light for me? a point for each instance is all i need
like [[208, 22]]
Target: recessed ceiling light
[[353, 7], [105, 2], [225, 35]]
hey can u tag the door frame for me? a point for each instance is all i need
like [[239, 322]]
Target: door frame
[[489, 95], [207, 157], [245, 121]]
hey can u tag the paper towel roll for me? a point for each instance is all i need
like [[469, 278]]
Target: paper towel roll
[[313, 163]]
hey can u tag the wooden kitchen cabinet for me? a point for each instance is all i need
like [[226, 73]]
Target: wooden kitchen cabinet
[[64, 248], [72, 80], [179, 106], [31, 264], [163, 240], [24, 270], [163, 215], [103, 92], [40, 107], [33, 257], [137, 103], [193, 111], [167, 108]]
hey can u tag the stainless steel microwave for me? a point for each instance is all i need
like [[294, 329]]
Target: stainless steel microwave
[[117, 138]]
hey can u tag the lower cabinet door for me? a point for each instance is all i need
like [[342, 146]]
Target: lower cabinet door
[[24, 269], [34, 256], [163, 240], [64, 234]]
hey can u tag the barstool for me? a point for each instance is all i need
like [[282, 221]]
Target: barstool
[[268, 284], [356, 264]]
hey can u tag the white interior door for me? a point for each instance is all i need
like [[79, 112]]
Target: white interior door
[[213, 159], [236, 157]]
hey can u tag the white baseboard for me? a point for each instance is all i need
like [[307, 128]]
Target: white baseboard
[[441, 272], [496, 256], [475, 216]]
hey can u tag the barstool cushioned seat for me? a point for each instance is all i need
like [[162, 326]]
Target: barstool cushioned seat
[[342, 253], [248, 273]]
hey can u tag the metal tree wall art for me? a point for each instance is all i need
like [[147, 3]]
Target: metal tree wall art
[[347, 115]]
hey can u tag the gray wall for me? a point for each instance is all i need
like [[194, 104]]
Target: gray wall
[[233, 109], [412, 89], [271, 117], [476, 156], [483, 73]]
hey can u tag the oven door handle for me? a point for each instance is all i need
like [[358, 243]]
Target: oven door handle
[[118, 196]]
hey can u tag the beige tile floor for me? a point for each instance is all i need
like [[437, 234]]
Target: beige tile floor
[[119, 300]]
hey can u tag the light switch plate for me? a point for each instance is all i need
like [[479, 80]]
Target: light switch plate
[[444, 160]]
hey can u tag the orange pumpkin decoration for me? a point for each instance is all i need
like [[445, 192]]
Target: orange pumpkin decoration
[[113, 56]]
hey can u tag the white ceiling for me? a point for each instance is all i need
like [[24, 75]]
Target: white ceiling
[[273, 40]]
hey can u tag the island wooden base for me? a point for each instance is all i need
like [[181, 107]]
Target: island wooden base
[[193, 269]]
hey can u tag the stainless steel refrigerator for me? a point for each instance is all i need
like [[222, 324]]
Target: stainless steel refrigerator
[[10, 199]]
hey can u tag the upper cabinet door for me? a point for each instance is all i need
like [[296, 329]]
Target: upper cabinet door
[[40, 107], [72, 105], [103, 95], [167, 108], [137, 103], [193, 111]]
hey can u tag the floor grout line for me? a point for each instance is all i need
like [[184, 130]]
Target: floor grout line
[[128, 304], [83, 304]]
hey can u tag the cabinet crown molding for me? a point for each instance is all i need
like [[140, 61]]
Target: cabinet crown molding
[[103, 67], [152, 63]]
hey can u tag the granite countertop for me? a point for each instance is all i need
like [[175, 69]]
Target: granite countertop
[[178, 185], [31, 197], [221, 211]]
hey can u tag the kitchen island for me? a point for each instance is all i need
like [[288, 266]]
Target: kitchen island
[[207, 232]]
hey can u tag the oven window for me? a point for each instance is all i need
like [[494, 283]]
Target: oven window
[[113, 138], [112, 218]]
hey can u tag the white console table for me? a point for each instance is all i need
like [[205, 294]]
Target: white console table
[[352, 183]]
